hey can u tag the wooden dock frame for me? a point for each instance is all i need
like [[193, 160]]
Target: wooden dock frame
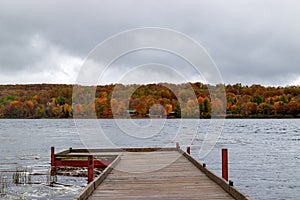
[[94, 184], [79, 157], [90, 158]]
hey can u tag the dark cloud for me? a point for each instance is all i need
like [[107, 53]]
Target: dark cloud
[[250, 41]]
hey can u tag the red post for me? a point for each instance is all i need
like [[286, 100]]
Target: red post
[[52, 171], [90, 168], [52, 157], [225, 164], [188, 150]]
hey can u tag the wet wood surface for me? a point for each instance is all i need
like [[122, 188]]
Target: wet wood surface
[[157, 175]]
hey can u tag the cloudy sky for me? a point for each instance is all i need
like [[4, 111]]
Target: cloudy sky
[[250, 41]]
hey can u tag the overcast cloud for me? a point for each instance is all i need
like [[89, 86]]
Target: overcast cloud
[[252, 42]]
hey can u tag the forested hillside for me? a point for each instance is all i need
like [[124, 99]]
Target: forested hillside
[[55, 101]]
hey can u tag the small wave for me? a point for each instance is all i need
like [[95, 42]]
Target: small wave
[[294, 139], [29, 157]]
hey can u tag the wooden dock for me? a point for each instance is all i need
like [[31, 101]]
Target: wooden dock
[[168, 173]]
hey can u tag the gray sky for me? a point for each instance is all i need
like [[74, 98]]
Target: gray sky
[[252, 42]]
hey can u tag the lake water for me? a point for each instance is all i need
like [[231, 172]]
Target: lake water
[[264, 154]]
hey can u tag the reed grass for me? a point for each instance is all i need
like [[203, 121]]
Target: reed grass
[[3, 184], [22, 175]]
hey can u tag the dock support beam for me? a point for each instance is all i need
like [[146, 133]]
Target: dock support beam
[[90, 168], [225, 164]]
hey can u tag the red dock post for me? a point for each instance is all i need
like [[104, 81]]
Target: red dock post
[[52, 157], [90, 168], [52, 169], [225, 164], [188, 150]]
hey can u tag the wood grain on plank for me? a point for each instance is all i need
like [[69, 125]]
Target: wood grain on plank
[[157, 175]]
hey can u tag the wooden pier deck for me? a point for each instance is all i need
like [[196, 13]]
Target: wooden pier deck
[[164, 174]]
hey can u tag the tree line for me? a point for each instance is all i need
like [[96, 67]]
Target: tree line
[[172, 100]]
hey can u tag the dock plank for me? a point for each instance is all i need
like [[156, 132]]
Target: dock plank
[[157, 175]]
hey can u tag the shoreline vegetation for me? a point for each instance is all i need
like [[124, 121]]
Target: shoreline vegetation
[[34, 101]]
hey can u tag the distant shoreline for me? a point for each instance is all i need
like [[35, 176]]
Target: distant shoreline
[[186, 100], [227, 117]]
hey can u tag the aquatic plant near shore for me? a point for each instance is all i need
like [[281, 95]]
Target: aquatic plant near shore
[[22, 175], [3, 184]]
